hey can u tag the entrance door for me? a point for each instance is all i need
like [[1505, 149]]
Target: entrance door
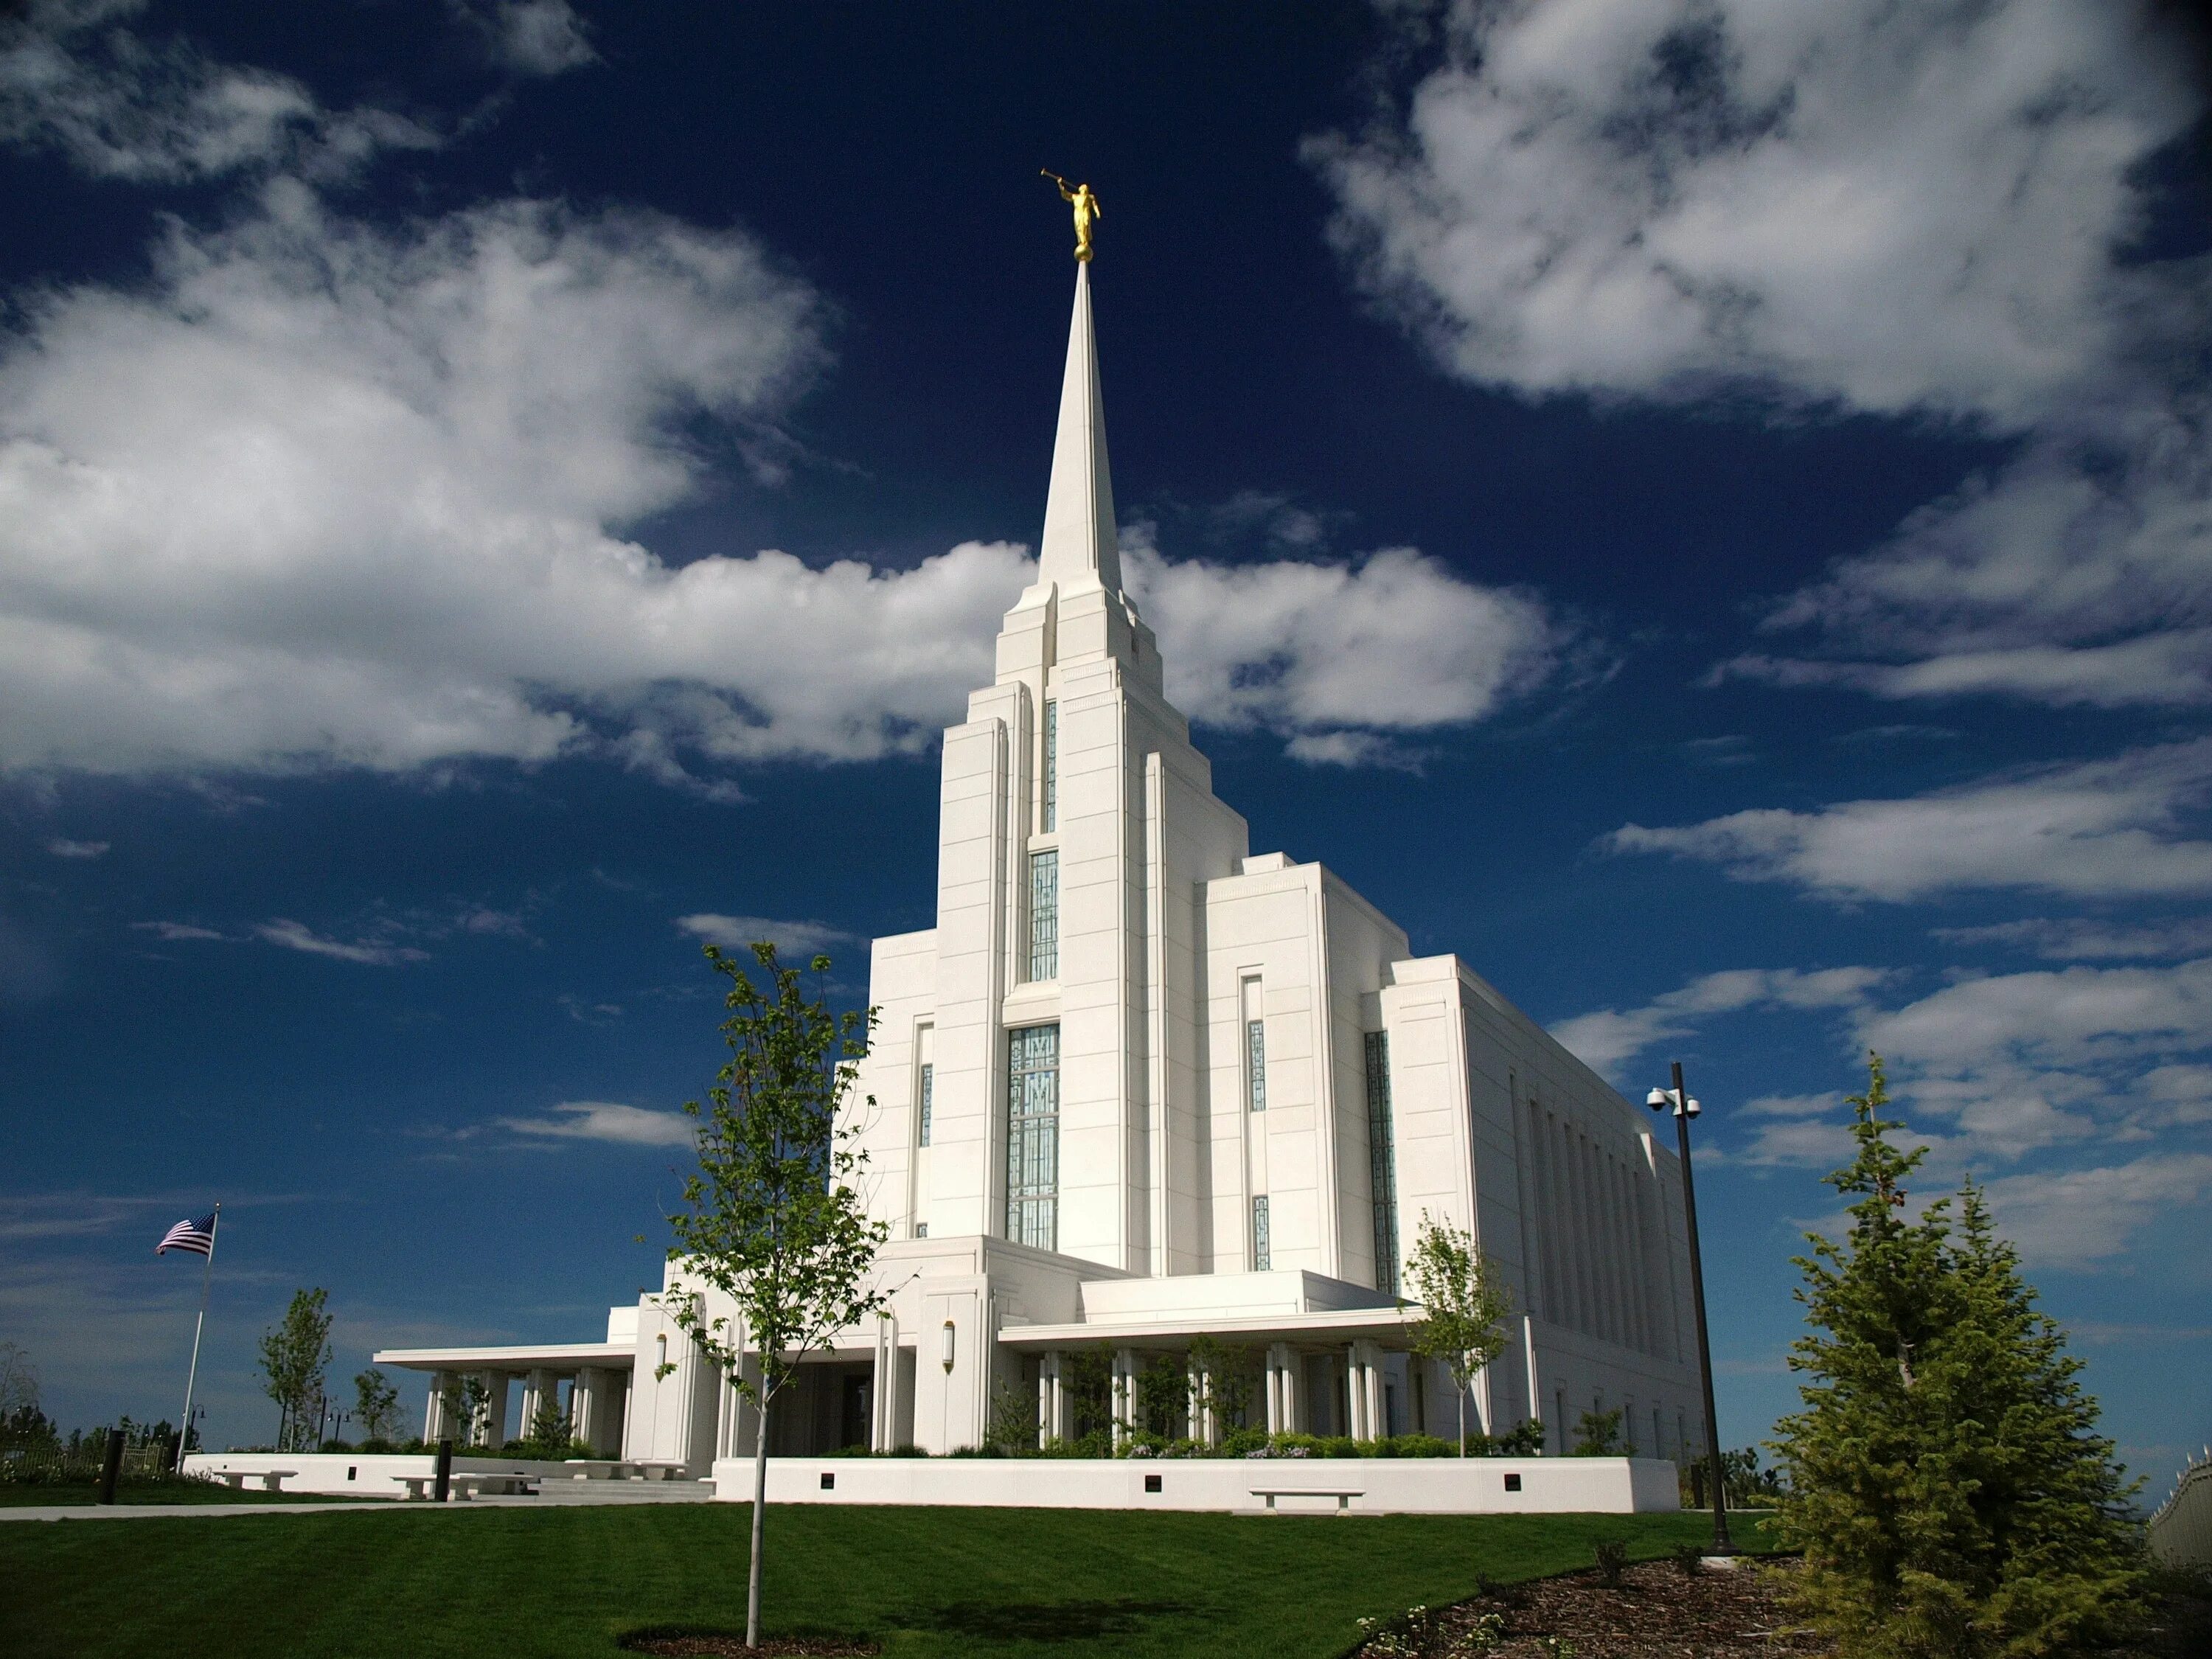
[[858, 1402]]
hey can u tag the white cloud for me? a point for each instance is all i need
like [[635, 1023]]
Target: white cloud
[[798, 940], [73, 80], [1896, 208], [1911, 210], [2039, 1075], [296, 936], [1605, 1040], [600, 1120], [2020, 1060], [62, 848], [2076, 575], [539, 37], [1392, 642], [2080, 938], [176, 930], [328, 495], [2079, 1216], [2095, 830]]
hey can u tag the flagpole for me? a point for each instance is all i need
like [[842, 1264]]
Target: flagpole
[[192, 1376]]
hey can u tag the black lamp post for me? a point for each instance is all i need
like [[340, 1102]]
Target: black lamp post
[[1686, 1108]]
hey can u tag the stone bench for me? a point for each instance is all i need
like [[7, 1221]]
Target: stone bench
[[496, 1485], [1344, 1495], [270, 1479]]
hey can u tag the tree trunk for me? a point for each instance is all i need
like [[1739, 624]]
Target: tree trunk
[[1462, 1420], [760, 1513]]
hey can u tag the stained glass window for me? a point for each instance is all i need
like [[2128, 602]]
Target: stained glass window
[[928, 1088], [1262, 1254], [1382, 1165], [1051, 819], [1045, 915], [1033, 1136], [1256, 1064]]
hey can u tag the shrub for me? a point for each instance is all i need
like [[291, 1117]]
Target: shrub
[[1612, 1557]]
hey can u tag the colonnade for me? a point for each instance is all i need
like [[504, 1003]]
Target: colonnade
[[596, 1398], [1360, 1367]]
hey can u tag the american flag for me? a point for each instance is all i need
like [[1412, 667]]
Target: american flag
[[194, 1234]]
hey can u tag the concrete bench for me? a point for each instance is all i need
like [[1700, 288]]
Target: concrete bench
[[601, 1468], [418, 1486], [465, 1487], [1344, 1495], [270, 1479], [658, 1468]]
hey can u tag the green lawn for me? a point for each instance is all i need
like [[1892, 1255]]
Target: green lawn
[[514, 1584], [13, 1496]]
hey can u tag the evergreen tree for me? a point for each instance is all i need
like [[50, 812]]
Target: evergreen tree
[[1946, 1480]]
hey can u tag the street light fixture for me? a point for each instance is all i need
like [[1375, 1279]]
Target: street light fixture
[[1685, 1109]]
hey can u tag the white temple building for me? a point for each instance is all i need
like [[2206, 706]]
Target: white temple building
[[1141, 1087]]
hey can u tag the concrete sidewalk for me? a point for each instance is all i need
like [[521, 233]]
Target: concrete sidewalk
[[554, 1494]]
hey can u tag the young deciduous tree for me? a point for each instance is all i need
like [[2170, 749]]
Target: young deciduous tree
[[776, 1222], [1464, 1302], [294, 1355], [376, 1405], [1946, 1480]]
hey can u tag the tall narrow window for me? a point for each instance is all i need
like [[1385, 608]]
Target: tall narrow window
[[1033, 1136], [1051, 821], [928, 1088], [1045, 915], [1256, 1064], [1262, 1253], [1382, 1165]]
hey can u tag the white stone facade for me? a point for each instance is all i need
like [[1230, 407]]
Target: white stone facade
[[1139, 1086]]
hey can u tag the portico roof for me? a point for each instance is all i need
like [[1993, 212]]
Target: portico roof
[[1332, 1326], [524, 1357]]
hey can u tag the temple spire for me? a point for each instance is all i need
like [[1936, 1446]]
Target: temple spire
[[1080, 548]]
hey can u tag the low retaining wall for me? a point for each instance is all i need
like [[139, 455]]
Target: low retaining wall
[[1403, 1485], [359, 1475]]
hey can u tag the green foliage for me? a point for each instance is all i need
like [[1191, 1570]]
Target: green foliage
[[1227, 1368], [1945, 1479], [1689, 1559], [1464, 1302], [1162, 1395], [1013, 1427], [1749, 1486], [1611, 1556], [1408, 1635], [376, 1405], [774, 1219], [294, 1355], [1597, 1434]]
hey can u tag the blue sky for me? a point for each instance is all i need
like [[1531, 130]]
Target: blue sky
[[1700, 508]]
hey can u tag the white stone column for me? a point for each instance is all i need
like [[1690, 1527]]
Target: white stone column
[[1376, 1423], [539, 1388], [883, 1425], [1052, 1398], [1283, 1416], [435, 1426], [1125, 1395], [494, 1426], [583, 1408], [1199, 1402]]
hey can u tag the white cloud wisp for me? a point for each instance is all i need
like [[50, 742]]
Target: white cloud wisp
[[2106, 829]]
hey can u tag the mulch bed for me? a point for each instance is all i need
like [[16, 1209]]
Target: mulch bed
[[715, 1644], [1656, 1612]]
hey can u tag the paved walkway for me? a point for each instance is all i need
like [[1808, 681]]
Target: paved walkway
[[553, 1494]]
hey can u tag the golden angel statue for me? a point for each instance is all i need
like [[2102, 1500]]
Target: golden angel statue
[[1087, 211]]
